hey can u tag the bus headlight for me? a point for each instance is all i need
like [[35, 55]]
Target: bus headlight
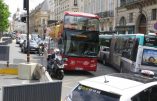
[[72, 62]]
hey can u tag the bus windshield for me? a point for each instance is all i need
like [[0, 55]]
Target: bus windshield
[[83, 93], [84, 43], [81, 23]]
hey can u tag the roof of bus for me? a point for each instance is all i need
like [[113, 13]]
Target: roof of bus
[[105, 36], [81, 14], [138, 34]]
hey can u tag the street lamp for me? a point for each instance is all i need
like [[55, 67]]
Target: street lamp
[[26, 7]]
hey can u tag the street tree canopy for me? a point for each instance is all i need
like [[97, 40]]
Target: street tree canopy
[[4, 15]]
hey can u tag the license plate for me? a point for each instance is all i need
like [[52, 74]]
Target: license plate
[[78, 68]]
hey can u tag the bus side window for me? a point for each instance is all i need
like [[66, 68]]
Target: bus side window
[[135, 49], [127, 50]]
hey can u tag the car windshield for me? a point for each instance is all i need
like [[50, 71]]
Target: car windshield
[[83, 93]]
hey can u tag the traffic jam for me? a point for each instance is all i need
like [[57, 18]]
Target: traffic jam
[[133, 55], [75, 54]]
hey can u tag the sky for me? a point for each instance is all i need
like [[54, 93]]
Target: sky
[[14, 4]]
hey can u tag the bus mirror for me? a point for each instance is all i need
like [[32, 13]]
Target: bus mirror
[[65, 59]]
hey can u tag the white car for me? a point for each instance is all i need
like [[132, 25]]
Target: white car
[[116, 87]]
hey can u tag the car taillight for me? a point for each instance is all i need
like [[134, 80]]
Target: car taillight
[[92, 65]]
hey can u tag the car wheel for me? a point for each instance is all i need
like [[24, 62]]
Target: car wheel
[[21, 50], [104, 60], [24, 50], [121, 68]]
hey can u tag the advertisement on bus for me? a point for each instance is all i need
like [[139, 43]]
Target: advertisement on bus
[[149, 57]]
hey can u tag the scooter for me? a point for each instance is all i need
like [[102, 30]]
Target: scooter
[[41, 50], [55, 68]]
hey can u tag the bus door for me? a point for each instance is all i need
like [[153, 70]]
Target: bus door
[[129, 54], [116, 55]]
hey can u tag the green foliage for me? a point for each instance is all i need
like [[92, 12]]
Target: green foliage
[[4, 15]]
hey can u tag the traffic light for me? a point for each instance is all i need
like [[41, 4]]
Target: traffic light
[[23, 19], [25, 4]]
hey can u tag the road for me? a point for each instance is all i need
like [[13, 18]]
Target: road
[[71, 78]]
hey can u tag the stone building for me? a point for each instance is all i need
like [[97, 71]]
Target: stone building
[[39, 18], [16, 24], [66, 5], [105, 9], [136, 16]]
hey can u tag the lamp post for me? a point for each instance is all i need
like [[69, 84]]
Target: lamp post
[[26, 7]]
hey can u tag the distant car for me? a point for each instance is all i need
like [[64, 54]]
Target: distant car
[[116, 87], [22, 38], [33, 46]]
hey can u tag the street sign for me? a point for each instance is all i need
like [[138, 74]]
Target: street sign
[[4, 53], [155, 26]]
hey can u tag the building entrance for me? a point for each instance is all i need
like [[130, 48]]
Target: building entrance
[[142, 24]]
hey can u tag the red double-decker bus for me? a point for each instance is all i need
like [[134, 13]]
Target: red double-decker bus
[[80, 40]]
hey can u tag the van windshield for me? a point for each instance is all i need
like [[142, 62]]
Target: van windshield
[[83, 93]]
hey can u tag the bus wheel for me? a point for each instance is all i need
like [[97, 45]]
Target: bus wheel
[[104, 60], [121, 68]]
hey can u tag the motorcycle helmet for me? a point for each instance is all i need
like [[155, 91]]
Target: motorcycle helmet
[[56, 51]]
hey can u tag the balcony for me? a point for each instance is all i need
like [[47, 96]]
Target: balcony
[[131, 4], [106, 14]]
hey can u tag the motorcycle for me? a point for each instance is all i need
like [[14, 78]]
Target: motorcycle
[[55, 68], [41, 50]]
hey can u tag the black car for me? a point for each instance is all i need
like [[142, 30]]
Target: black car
[[33, 46]]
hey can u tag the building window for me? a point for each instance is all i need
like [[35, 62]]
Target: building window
[[75, 2], [122, 2], [122, 22], [154, 14], [130, 17]]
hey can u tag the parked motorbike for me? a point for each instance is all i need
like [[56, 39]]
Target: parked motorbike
[[41, 49], [55, 67]]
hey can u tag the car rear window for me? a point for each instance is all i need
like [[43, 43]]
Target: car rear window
[[84, 93]]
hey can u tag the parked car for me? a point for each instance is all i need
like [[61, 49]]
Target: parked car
[[22, 38], [33, 46], [116, 87]]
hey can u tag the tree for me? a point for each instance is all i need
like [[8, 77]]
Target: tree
[[4, 15]]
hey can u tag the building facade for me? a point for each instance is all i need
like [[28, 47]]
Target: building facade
[[16, 24], [136, 16], [105, 9], [51, 9], [39, 18], [66, 5]]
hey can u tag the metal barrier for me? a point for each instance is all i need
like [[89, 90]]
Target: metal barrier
[[4, 53], [42, 88], [7, 40], [50, 91]]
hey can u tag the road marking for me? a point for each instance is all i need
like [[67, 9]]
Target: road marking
[[68, 87]]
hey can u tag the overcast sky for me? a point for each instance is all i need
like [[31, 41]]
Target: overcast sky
[[14, 4]]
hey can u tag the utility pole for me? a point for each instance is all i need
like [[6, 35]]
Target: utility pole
[[26, 7]]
